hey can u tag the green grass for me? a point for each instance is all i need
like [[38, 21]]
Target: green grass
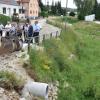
[[68, 19], [81, 72]]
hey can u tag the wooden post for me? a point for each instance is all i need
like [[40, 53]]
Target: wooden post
[[50, 35], [28, 45], [43, 37]]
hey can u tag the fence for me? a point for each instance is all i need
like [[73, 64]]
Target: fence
[[37, 40]]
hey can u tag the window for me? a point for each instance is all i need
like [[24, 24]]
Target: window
[[23, 11], [36, 12], [30, 12], [4, 10], [33, 11], [30, 5], [14, 11], [20, 11]]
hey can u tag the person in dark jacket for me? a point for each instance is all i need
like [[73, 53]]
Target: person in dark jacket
[[30, 30]]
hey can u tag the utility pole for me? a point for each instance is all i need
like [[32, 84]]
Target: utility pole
[[45, 2], [66, 12], [66, 5]]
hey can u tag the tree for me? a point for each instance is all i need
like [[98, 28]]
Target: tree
[[53, 8], [59, 8], [96, 10], [84, 7], [41, 5], [56, 9], [44, 9]]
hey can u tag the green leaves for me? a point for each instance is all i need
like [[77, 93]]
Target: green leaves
[[85, 7]]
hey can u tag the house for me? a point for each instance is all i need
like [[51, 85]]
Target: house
[[9, 7], [31, 7]]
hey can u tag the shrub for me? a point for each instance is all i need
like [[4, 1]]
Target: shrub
[[9, 81], [15, 17], [4, 19], [72, 14], [44, 14]]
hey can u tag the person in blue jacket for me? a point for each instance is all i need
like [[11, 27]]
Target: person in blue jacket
[[36, 30]]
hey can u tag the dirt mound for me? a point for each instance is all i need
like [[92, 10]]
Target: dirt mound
[[4, 51]]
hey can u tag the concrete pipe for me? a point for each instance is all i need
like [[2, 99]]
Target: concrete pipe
[[37, 89], [18, 44], [6, 44], [11, 45]]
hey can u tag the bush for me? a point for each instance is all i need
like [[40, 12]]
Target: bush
[[15, 17], [10, 81], [4, 19], [72, 14], [44, 14], [81, 17]]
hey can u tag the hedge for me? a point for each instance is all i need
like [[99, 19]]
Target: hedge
[[4, 19]]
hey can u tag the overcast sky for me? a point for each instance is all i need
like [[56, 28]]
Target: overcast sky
[[63, 2]]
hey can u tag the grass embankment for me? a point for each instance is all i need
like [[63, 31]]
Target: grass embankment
[[67, 19], [73, 60]]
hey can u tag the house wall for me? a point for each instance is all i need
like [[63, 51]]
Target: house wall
[[9, 9], [33, 8], [26, 6]]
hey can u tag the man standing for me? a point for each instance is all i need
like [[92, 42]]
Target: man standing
[[1, 27], [36, 30], [8, 27]]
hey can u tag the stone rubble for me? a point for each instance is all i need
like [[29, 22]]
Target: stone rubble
[[53, 91], [8, 95]]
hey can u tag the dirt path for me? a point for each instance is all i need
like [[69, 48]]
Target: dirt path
[[13, 62]]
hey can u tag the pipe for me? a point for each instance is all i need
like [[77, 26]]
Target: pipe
[[11, 44], [18, 44], [36, 89]]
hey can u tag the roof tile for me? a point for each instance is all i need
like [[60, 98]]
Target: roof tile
[[9, 2]]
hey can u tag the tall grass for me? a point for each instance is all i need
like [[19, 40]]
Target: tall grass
[[78, 75]]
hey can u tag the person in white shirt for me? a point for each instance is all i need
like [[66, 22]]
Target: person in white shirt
[[13, 29], [8, 27], [36, 30], [1, 27]]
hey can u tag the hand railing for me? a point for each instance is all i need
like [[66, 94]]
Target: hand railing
[[37, 40]]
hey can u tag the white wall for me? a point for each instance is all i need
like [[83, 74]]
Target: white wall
[[90, 17], [11, 7]]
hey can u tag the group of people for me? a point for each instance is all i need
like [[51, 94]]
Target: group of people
[[27, 30], [32, 31]]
